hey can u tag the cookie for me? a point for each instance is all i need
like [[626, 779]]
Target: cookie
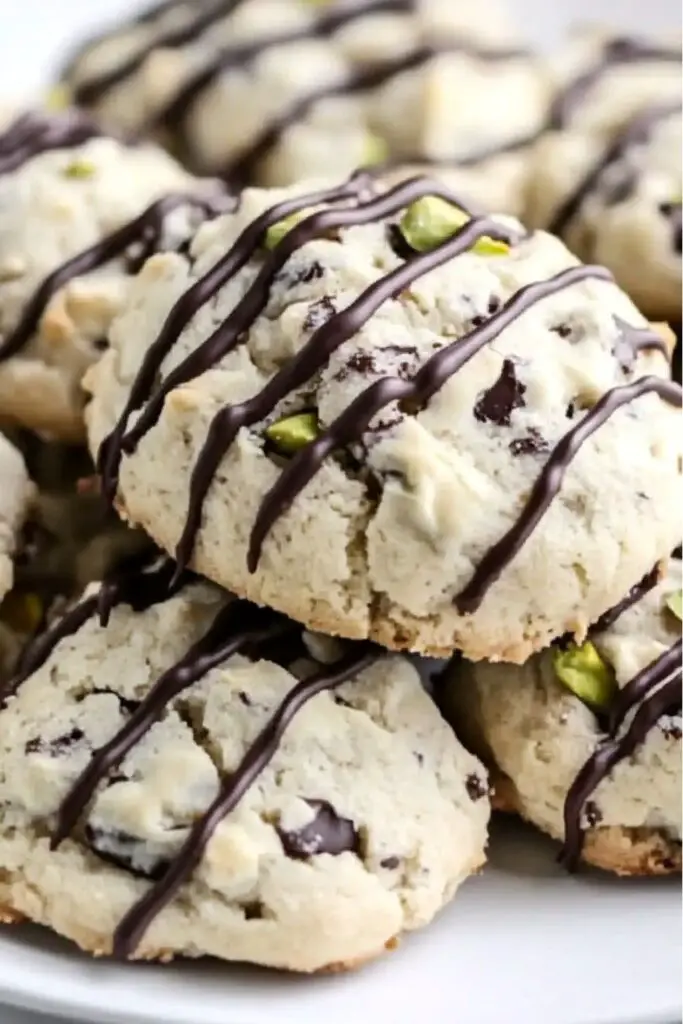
[[607, 176], [588, 740], [16, 493], [273, 91], [290, 801], [469, 446], [78, 211]]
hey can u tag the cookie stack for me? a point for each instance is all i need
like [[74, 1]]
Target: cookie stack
[[344, 420]]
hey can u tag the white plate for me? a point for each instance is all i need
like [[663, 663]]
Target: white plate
[[522, 944]]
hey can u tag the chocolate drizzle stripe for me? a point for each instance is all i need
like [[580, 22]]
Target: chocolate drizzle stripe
[[637, 131], [549, 483], [33, 133], [616, 52], [635, 594], [239, 170], [191, 302], [257, 757], [610, 753], [427, 381], [315, 353], [642, 684], [131, 586], [146, 229], [93, 89], [235, 626]]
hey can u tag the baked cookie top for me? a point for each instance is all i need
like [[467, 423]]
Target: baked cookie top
[[590, 737], [16, 492], [78, 212], [390, 420], [227, 786], [273, 91]]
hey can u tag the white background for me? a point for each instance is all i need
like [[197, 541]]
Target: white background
[[32, 33]]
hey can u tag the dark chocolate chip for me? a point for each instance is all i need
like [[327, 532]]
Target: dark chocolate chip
[[100, 344], [671, 731], [419, 758], [570, 411], [307, 272], [95, 838], [253, 911], [390, 863], [326, 833], [496, 404], [531, 444], [399, 245], [56, 747], [476, 788], [127, 706], [319, 313], [592, 813], [244, 698], [673, 212], [563, 330]]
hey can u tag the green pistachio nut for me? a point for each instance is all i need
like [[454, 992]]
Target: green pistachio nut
[[293, 432], [79, 170], [375, 151], [583, 671], [674, 602], [277, 232], [431, 221]]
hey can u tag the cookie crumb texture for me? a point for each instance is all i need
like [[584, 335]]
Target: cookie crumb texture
[[55, 205], [16, 493], [360, 828], [540, 735], [385, 538], [319, 89]]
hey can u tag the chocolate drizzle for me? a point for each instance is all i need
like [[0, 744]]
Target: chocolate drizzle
[[616, 52], [238, 627], [636, 132], [635, 594], [146, 230], [34, 133], [339, 328]]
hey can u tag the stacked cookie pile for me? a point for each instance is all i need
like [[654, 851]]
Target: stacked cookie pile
[[332, 422]]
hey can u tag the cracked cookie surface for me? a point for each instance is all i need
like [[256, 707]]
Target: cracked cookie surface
[[401, 533], [360, 828], [540, 736]]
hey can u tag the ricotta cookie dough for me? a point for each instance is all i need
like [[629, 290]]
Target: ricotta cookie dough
[[273, 91], [214, 782], [588, 739], [389, 420], [607, 176], [78, 213]]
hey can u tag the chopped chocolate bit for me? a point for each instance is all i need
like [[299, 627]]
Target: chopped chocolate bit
[[319, 313], [253, 911], [56, 747], [677, 552], [419, 758], [476, 788], [494, 304], [308, 272], [326, 833], [673, 212], [671, 731], [532, 444], [100, 842], [570, 411], [593, 813], [496, 404], [100, 344], [341, 702], [127, 706], [244, 698], [564, 330], [362, 362], [390, 863]]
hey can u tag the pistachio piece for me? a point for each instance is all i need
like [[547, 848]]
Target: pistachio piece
[[22, 612], [277, 232], [674, 602], [375, 151], [431, 221], [583, 671], [58, 98], [293, 432], [79, 169]]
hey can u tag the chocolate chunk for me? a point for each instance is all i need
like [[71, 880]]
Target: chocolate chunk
[[476, 788], [100, 842], [564, 330], [100, 344], [56, 747], [390, 863], [244, 698], [303, 275], [531, 444], [253, 911], [326, 833], [496, 404], [362, 362], [673, 212], [672, 731], [128, 707], [570, 411], [592, 813], [399, 245], [319, 313]]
